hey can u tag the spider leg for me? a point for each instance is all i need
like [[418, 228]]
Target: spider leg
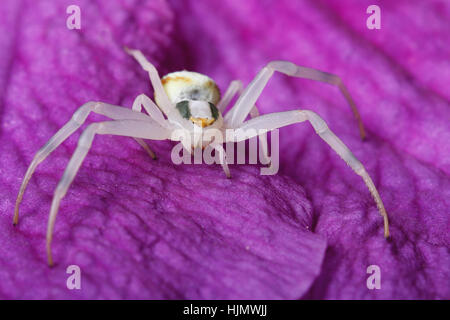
[[130, 128], [152, 109], [165, 104], [78, 118], [223, 160], [234, 88], [145, 146], [264, 151], [280, 119], [248, 98]]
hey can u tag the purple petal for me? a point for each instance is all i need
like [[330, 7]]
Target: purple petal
[[137, 228], [149, 229], [403, 105]]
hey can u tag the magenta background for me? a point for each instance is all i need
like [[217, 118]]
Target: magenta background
[[145, 229]]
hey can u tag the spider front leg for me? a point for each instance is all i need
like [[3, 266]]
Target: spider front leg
[[281, 119], [234, 88], [129, 128], [163, 100], [152, 109], [78, 118], [248, 98], [223, 159]]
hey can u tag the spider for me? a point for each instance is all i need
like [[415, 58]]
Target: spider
[[190, 101]]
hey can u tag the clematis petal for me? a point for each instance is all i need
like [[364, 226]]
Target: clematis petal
[[398, 77], [137, 228], [150, 229]]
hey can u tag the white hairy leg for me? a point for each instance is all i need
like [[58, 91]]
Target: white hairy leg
[[223, 160], [243, 106], [78, 118], [234, 88], [129, 128], [166, 105], [264, 154], [281, 119], [147, 149], [152, 109]]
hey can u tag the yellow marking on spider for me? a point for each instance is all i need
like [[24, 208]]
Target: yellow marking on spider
[[202, 122]]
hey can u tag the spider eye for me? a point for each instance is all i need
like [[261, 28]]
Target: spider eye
[[183, 109], [214, 110]]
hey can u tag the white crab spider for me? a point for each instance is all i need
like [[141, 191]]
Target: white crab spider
[[190, 100]]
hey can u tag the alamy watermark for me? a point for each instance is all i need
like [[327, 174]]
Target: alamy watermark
[[74, 20], [74, 280], [374, 280], [374, 20], [211, 141]]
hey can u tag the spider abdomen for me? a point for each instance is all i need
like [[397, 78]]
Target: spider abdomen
[[186, 85]]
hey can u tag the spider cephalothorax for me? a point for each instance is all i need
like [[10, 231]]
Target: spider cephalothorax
[[189, 102], [200, 113], [195, 96]]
